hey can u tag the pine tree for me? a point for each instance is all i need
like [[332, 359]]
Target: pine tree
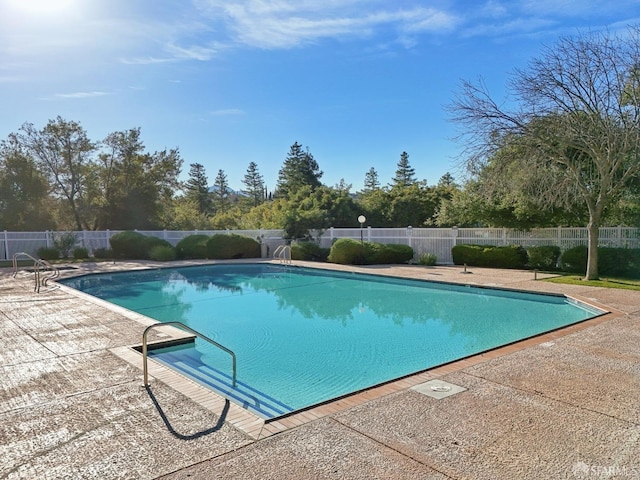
[[221, 192], [405, 174], [299, 169], [371, 181], [197, 188], [447, 180], [255, 184]]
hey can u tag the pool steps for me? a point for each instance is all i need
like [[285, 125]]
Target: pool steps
[[187, 362]]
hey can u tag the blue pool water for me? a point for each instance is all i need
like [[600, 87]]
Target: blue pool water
[[304, 336]]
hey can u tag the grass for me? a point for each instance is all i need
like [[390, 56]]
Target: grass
[[622, 283]]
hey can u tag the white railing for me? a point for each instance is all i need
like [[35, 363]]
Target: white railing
[[423, 240]]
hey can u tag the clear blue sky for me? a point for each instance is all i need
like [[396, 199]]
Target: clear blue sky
[[234, 81]]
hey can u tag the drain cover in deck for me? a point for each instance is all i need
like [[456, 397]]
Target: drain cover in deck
[[438, 389]]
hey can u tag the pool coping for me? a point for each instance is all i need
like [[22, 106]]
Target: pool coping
[[258, 428]]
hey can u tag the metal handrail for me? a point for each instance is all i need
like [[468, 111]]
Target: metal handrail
[[283, 253], [190, 330], [38, 265]]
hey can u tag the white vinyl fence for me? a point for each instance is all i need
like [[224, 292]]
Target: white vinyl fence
[[423, 240]]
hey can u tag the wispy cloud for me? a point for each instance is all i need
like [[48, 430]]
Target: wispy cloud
[[80, 95], [291, 23], [145, 60]]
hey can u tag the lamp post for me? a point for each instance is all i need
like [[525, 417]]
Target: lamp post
[[361, 219]]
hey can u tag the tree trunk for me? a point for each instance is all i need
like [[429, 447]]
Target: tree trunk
[[592, 257]]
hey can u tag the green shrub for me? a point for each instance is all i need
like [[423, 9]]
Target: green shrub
[[612, 262], [80, 253], [103, 253], [346, 251], [309, 251], [510, 256], [64, 243], [469, 254], [427, 259], [225, 246], [134, 245], [128, 244], [619, 262], [544, 257], [162, 253], [48, 253], [193, 246], [378, 253], [574, 260]]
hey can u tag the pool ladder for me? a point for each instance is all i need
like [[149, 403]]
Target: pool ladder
[[43, 271], [182, 326], [283, 253]]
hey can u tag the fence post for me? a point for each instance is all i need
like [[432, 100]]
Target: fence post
[[559, 240], [368, 233], [619, 232], [106, 240], [409, 235]]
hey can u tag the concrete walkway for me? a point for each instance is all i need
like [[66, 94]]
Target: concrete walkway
[[73, 406]]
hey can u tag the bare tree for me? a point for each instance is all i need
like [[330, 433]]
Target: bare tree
[[574, 114]]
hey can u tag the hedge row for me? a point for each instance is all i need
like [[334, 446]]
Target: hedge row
[[614, 262], [134, 245], [352, 252], [510, 256], [309, 251], [623, 262]]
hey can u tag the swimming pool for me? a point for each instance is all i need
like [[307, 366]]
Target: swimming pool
[[305, 336]]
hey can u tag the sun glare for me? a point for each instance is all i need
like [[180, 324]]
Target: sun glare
[[40, 7]]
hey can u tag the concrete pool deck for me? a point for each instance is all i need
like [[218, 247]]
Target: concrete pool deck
[[72, 403]]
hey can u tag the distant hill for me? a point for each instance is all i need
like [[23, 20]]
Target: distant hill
[[232, 192]]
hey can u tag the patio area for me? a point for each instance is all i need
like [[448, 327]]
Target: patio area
[[73, 404]]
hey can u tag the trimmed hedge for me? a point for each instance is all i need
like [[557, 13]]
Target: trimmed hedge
[[103, 253], [544, 257], [613, 262], [574, 260], [309, 251], [48, 253], [226, 246], [80, 253], [619, 262], [192, 247], [162, 253], [378, 253], [134, 245], [347, 251], [511, 256]]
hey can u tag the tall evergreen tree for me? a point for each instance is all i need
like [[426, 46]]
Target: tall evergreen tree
[[371, 181], [221, 192], [299, 169], [405, 174], [197, 188], [254, 184]]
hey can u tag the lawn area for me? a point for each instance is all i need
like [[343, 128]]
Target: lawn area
[[623, 283]]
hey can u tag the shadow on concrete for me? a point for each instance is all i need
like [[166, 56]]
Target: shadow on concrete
[[219, 424]]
